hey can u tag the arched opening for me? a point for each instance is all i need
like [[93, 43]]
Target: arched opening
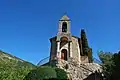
[[64, 54], [64, 27], [64, 38], [63, 41]]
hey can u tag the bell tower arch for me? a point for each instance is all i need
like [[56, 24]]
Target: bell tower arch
[[64, 27]]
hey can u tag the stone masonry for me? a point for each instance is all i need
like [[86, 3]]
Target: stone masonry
[[76, 71]]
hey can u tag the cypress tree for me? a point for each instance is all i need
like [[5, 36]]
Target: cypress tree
[[86, 50], [84, 41]]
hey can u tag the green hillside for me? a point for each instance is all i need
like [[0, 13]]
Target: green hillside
[[13, 68]]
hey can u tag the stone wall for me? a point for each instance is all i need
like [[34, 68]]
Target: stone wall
[[76, 71], [84, 59], [75, 48]]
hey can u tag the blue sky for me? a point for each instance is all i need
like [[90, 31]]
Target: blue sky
[[27, 25]]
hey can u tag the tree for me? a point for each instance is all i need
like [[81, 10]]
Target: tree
[[86, 50], [116, 67], [107, 64], [84, 39], [111, 65]]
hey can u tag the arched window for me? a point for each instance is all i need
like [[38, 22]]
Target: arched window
[[63, 41], [64, 27]]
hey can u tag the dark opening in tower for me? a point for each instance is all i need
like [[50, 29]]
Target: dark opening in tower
[[63, 41], [64, 54], [64, 27]]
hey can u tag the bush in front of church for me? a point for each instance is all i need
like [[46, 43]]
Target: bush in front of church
[[61, 74], [41, 73], [46, 73]]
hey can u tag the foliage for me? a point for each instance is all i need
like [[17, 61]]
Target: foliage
[[41, 73], [86, 50], [46, 72], [84, 39], [107, 63], [61, 74], [111, 65], [13, 68], [116, 67]]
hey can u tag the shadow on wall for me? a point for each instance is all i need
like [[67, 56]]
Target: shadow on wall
[[95, 76]]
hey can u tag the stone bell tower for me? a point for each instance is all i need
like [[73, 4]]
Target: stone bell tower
[[64, 45]]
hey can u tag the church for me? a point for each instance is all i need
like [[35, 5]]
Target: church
[[72, 53], [65, 45]]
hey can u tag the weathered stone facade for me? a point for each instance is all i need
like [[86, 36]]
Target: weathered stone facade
[[73, 54], [64, 45]]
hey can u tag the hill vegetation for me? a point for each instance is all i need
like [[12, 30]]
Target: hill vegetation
[[13, 68]]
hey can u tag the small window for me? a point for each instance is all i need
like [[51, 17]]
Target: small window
[[64, 27]]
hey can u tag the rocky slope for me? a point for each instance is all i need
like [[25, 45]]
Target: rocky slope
[[77, 71]]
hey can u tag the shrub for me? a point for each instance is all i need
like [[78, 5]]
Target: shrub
[[41, 73], [61, 74]]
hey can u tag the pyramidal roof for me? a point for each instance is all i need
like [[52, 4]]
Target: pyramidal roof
[[65, 17]]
